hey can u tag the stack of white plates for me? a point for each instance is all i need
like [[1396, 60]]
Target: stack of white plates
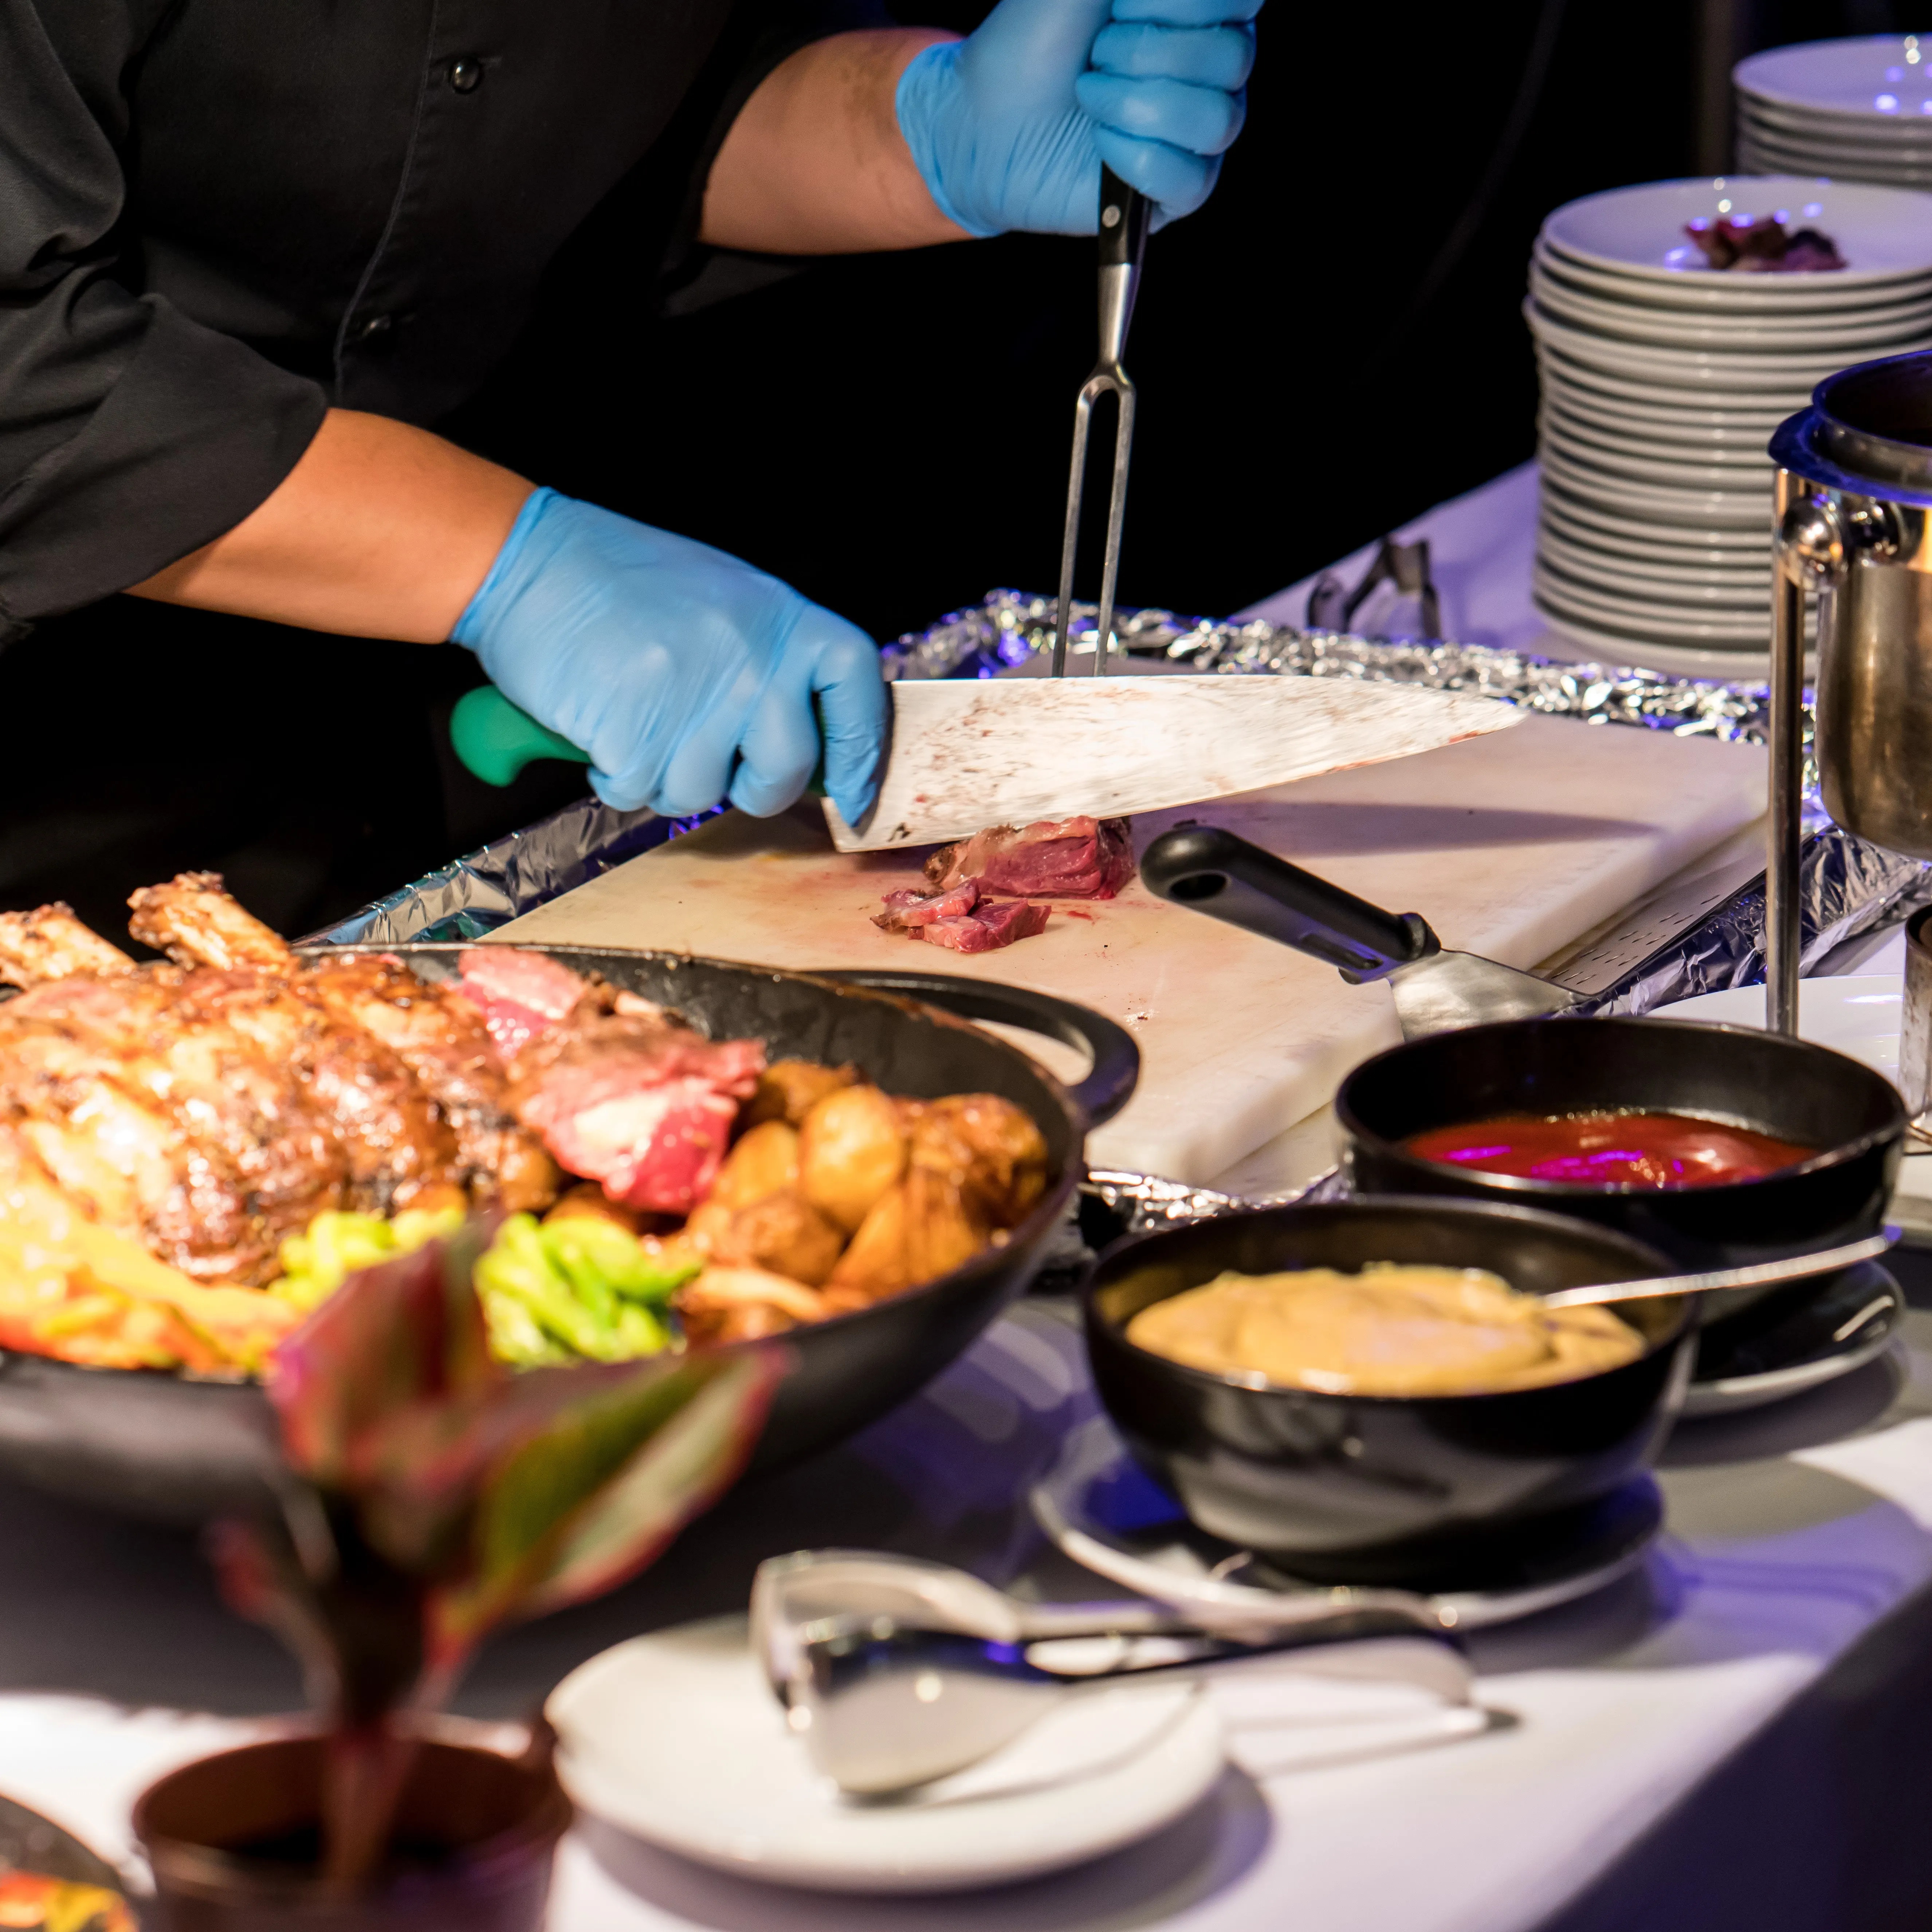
[[1663, 380], [1858, 110]]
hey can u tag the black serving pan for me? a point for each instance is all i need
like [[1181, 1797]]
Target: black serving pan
[[162, 1446], [1383, 1489], [1788, 1088]]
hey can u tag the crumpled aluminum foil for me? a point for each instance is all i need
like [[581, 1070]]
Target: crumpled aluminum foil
[[1846, 886]]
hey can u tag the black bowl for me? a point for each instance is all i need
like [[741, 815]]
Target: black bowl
[[162, 1446], [1379, 1488], [1787, 1088]]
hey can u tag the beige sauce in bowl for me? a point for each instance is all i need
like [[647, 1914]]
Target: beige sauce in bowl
[[1391, 1330]]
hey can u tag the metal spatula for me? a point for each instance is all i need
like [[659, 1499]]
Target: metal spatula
[[1211, 871]]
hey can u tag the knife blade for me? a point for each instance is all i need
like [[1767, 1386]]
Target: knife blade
[[968, 753]]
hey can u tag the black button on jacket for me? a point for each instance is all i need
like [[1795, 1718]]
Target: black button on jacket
[[217, 217]]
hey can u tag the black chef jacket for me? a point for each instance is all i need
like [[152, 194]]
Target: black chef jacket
[[217, 217]]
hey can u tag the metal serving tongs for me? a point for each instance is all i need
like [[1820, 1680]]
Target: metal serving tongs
[[1124, 216]]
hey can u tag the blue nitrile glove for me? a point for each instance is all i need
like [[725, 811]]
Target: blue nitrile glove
[[670, 662], [1009, 127]]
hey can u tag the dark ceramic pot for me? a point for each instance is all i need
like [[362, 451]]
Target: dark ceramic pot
[[231, 1841], [1787, 1088], [1383, 1489]]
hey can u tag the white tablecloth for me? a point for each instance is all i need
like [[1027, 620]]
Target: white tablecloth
[[1790, 1593]]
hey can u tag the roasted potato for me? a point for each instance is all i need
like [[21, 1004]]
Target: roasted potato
[[1007, 1156], [923, 1228], [587, 1200], [788, 1089], [765, 1161], [739, 1304], [783, 1233], [852, 1148]]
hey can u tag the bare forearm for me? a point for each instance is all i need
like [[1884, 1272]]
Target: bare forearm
[[380, 531], [815, 164]]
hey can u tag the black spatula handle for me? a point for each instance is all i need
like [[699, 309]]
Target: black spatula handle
[[1210, 870]]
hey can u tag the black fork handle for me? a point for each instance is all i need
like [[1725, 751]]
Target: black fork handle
[[1208, 870]]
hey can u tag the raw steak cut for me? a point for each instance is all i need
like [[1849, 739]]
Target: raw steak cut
[[906, 910], [1079, 858], [989, 925], [520, 993]]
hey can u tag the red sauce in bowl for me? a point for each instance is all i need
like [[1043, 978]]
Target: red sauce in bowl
[[1611, 1149]]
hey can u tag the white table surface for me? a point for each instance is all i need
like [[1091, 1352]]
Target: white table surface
[[1793, 1536]]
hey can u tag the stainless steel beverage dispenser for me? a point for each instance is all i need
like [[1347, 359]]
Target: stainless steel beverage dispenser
[[1853, 522]]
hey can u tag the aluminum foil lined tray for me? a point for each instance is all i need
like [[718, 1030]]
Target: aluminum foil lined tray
[[1847, 885]]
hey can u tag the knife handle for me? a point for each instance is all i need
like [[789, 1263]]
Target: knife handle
[[496, 741], [1210, 870], [1125, 215]]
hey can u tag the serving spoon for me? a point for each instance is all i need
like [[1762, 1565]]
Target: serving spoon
[[894, 1672], [1711, 1281]]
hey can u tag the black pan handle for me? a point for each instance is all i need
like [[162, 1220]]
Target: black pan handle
[[1210, 870], [1117, 1059]]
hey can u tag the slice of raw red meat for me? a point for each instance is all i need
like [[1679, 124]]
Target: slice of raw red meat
[[907, 909], [521, 994], [989, 925], [1057, 859], [650, 1120]]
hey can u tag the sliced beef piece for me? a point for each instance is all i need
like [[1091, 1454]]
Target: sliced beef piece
[[908, 910], [1057, 859], [636, 1102], [520, 994], [988, 926]]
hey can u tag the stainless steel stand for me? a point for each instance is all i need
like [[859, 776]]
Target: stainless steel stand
[[1783, 932]]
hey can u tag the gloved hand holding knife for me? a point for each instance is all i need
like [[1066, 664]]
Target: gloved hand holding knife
[[688, 676]]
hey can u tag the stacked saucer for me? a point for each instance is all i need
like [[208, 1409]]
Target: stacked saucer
[[1857, 110], [1662, 381]]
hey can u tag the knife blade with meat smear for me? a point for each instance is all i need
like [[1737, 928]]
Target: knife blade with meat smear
[[968, 753]]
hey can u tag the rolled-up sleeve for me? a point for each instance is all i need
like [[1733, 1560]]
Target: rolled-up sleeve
[[130, 434]]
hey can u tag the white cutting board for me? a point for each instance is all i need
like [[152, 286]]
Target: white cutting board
[[1511, 845]]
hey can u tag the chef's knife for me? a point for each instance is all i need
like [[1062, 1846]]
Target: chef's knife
[[1211, 871], [966, 753]]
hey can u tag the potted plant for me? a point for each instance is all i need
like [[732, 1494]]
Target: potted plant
[[428, 1496]]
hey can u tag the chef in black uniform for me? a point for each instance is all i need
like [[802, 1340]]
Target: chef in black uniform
[[252, 251]]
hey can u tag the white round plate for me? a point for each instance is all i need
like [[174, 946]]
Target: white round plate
[[676, 1738], [1600, 554], [1645, 442], [1752, 148], [1619, 577], [1695, 370], [1724, 666], [1841, 334], [1629, 544], [1882, 232], [1639, 615], [1859, 1014], [1660, 429], [1669, 468], [1743, 410], [1740, 510], [1908, 144], [1706, 543], [1853, 76], [1768, 295]]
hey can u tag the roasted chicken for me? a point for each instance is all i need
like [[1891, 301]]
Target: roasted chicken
[[209, 1106]]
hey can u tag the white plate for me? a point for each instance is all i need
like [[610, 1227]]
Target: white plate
[[1839, 167], [1854, 77], [1647, 442], [1619, 577], [1660, 429], [1859, 1014], [1606, 646], [1695, 370], [1670, 468], [1908, 144], [1704, 543], [1647, 559], [1836, 333], [1639, 614], [676, 1738], [1689, 405], [1883, 233], [1770, 296], [1735, 510]]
